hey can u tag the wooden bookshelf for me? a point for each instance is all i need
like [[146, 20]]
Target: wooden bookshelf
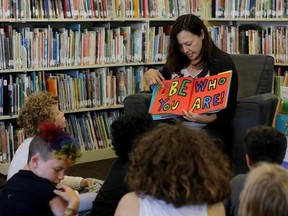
[[96, 155]]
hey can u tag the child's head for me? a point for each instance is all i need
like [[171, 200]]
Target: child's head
[[126, 129], [265, 144], [179, 165], [51, 152], [39, 107], [265, 191]]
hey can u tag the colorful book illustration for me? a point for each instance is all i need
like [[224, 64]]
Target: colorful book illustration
[[282, 123], [202, 95]]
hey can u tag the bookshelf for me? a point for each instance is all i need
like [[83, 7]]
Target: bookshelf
[[89, 50], [260, 30], [254, 27]]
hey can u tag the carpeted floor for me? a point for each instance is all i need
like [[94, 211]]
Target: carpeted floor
[[95, 169]]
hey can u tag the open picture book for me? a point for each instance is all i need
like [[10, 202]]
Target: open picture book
[[202, 95]]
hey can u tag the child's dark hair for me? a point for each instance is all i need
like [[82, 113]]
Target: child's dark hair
[[126, 129], [52, 139], [265, 144]]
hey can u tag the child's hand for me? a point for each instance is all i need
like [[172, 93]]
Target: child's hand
[[87, 182], [68, 194]]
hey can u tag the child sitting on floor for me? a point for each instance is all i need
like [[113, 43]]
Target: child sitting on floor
[[35, 190]]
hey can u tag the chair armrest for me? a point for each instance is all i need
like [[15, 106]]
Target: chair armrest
[[137, 103], [250, 111], [264, 105]]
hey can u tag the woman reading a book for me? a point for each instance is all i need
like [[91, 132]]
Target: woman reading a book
[[192, 52]]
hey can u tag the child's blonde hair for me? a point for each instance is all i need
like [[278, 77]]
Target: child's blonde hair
[[265, 191], [37, 108]]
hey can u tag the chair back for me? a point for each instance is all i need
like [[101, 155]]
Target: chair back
[[255, 74]]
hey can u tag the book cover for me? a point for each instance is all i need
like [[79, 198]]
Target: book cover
[[97, 130], [3, 141], [91, 137], [92, 130], [107, 124], [284, 99], [252, 10], [202, 95], [145, 10], [84, 131], [219, 8], [52, 86], [285, 161], [282, 123], [107, 141], [5, 96], [10, 137], [101, 130]]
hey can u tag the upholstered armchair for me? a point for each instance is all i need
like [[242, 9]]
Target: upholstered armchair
[[256, 104]]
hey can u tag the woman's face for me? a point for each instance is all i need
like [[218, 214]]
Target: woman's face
[[59, 117], [190, 44]]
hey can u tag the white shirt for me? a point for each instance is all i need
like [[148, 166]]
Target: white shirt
[[150, 206], [20, 158]]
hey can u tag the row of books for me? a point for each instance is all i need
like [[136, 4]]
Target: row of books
[[53, 9], [92, 131], [249, 9], [250, 39], [101, 87], [10, 140], [73, 46], [161, 8]]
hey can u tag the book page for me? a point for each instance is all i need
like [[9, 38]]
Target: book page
[[210, 93], [172, 98]]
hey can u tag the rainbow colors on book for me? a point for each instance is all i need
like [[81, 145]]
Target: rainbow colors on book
[[202, 95]]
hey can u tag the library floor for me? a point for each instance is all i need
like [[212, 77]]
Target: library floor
[[95, 169]]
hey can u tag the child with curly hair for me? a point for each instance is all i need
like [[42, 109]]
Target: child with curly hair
[[176, 170], [39, 107], [35, 190]]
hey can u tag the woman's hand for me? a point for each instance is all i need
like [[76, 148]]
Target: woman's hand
[[199, 118], [153, 77]]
